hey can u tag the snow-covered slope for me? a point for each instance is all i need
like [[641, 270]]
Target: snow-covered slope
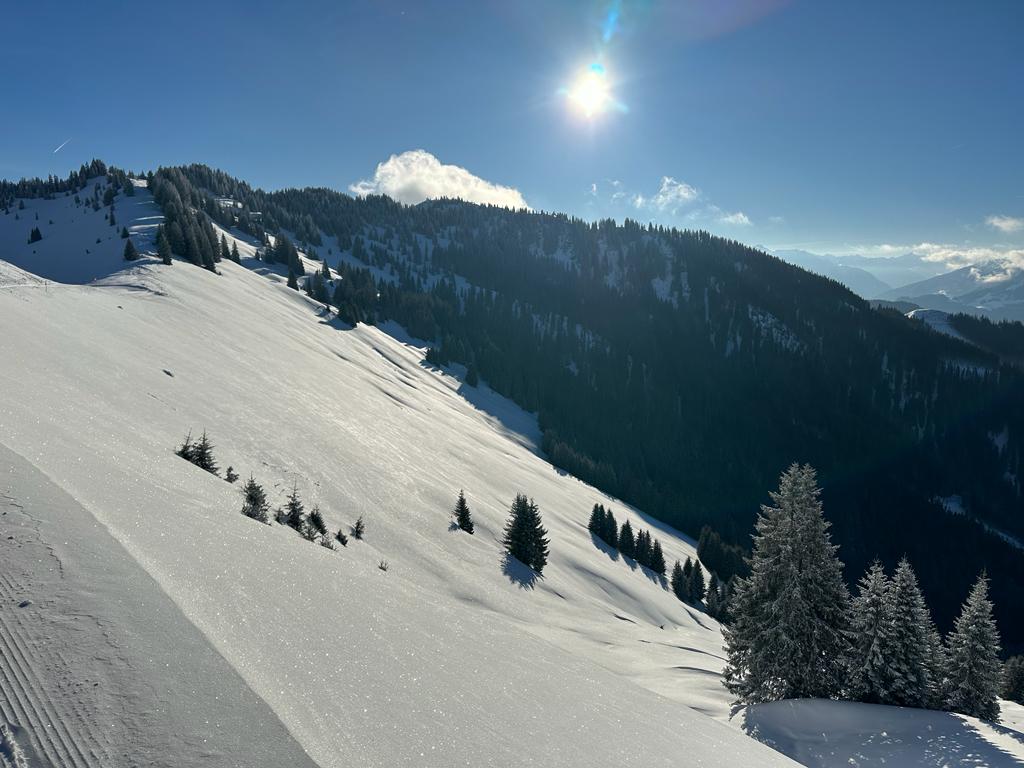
[[994, 289], [451, 656], [79, 244], [844, 734], [194, 635]]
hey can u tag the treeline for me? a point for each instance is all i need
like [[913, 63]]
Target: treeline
[[686, 580], [1004, 338], [795, 632]]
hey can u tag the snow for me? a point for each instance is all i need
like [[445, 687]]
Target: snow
[[68, 251], [450, 657], [833, 734], [217, 640], [938, 321]]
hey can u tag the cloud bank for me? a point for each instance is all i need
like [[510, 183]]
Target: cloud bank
[[417, 175]]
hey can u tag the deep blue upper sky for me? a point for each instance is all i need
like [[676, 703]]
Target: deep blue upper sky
[[825, 125]]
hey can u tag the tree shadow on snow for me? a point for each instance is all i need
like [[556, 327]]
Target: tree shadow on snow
[[518, 573], [825, 733], [612, 552]]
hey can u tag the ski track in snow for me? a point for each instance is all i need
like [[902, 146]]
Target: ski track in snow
[[39, 691]]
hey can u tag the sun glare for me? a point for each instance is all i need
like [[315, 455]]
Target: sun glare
[[591, 95]]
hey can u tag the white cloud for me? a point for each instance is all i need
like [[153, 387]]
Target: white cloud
[[738, 219], [1005, 223], [950, 255], [639, 201], [673, 195], [593, 190], [417, 175]]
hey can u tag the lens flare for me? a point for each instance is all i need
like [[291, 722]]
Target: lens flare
[[591, 94]]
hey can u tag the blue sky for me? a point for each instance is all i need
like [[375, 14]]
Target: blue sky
[[869, 127]]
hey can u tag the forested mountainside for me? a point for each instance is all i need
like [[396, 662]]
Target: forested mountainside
[[675, 369]]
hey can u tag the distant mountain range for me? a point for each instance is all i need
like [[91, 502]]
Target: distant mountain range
[[993, 289]]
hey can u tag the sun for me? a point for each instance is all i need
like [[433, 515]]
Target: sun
[[591, 95]]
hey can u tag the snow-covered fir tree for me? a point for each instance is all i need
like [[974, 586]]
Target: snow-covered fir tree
[[359, 529], [789, 617], [975, 672], [871, 624], [908, 660]]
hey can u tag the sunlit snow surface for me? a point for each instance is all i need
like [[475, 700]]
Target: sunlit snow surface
[[451, 656]]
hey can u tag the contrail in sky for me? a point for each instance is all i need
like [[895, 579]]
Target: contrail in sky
[[58, 149]]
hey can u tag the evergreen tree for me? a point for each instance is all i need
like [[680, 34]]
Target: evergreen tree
[[341, 538], [525, 537], [294, 510], [463, 519], [185, 449], [627, 544], [230, 475], [130, 254], [255, 504], [235, 257], [871, 624], [35, 235], [714, 599], [697, 587], [316, 521], [908, 660], [657, 560], [788, 633], [596, 523], [124, 233], [714, 595], [163, 245], [359, 529], [680, 583], [610, 530], [643, 548], [200, 454], [225, 251], [937, 666], [975, 673], [1013, 679], [293, 282]]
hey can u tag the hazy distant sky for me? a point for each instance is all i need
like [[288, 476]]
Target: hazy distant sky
[[832, 126]]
